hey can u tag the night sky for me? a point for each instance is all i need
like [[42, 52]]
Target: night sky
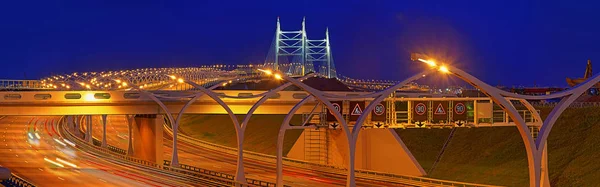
[[502, 42]]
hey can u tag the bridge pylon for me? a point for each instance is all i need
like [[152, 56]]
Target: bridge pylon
[[294, 54]]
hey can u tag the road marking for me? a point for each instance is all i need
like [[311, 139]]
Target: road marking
[[61, 178], [102, 180], [40, 169]]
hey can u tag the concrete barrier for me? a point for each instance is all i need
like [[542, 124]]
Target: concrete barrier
[[4, 173]]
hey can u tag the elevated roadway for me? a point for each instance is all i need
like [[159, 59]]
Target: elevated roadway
[[33, 148]]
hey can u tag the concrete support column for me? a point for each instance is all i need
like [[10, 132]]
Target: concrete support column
[[174, 155], [88, 135], [104, 144], [148, 137], [77, 127], [69, 123], [130, 122]]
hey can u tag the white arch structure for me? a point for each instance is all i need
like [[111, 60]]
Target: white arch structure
[[534, 147]]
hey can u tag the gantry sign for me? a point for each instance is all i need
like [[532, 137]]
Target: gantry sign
[[414, 112]]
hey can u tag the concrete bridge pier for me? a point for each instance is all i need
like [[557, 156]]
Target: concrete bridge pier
[[147, 135], [88, 130], [77, 126], [376, 150], [104, 144], [130, 121]]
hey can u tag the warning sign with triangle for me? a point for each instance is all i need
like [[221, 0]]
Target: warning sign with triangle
[[439, 110], [357, 111]]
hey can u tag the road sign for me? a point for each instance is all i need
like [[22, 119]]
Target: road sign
[[460, 111], [338, 106], [419, 110], [440, 113], [378, 113], [356, 109]]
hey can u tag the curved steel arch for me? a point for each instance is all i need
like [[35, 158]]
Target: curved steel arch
[[530, 147], [285, 125]]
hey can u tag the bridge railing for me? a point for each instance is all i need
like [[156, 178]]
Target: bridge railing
[[21, 84], [16, 181]]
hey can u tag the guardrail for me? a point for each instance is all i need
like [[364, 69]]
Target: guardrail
[[324, 167], [110, 147], [16, 181], [221, 175]]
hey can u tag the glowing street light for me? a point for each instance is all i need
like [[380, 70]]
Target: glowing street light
[[180, 80], [444, 69], [278, 76], [418, 57]]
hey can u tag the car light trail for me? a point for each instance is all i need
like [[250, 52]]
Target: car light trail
[[66, 163], [55, 163]]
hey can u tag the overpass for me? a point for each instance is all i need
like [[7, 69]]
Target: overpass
[[77, 96]]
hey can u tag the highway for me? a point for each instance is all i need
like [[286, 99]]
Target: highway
[[33, 149], [223, 162]]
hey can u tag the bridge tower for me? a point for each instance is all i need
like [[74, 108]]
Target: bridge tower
[[294, 54]]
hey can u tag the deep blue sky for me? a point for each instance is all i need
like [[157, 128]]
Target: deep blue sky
[[502, 42]]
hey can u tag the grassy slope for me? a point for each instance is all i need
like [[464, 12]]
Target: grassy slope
[[260, 136], [497, 155], [481, 155]]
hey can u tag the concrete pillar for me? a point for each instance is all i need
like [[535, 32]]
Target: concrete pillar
[[130, 122], [148, 137], [88, 131], [104, 144], [376, 149], [69, 123], [77, 127]]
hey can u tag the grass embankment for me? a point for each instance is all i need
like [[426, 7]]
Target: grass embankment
[[480, 155], [260, 136], [497, 155]]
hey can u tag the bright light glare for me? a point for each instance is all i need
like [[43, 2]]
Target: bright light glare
[[69, 142], [278, 76], [66, 163], [180, 80], [55, 163], [37, 136], [118, 81], [59, 142], [90, 97], [268, 72], [444, 69], [30, 136], [173, 77], [431, 63]]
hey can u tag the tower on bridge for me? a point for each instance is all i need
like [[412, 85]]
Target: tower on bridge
[[293, 53]]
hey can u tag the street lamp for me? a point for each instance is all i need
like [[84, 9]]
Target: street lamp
[[431, 63]]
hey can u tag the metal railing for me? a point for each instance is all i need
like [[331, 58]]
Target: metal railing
[[21, 84], [16, 181], [220, 175]]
